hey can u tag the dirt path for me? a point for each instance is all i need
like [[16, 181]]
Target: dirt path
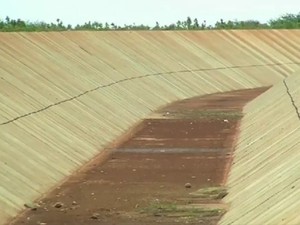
[[171, 171]]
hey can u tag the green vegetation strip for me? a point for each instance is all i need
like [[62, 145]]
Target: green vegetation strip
[[174, 210], [287, 21], [213, 114]]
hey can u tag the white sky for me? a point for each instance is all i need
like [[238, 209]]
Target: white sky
[[145, 12]]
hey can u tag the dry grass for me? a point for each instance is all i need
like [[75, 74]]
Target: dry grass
[[210, 193], [174, 210]]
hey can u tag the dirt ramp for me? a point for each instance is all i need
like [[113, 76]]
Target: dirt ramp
[[171, 170]]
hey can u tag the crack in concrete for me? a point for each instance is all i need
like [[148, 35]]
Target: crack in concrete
[[292, 99], [140, 77]]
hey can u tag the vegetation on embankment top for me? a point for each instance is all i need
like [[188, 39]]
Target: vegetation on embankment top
[[288, 21]]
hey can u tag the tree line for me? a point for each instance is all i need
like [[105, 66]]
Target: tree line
[[287, 21]]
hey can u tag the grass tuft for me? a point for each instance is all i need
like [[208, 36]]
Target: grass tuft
[[210, 193], [173, 210]]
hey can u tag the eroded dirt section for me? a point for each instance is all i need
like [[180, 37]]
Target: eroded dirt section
[[171, 171]]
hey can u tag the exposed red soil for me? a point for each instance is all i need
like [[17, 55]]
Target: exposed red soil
[[187, 142]]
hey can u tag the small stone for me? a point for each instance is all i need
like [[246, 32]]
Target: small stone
[[31, 206], [41, 223], [193, 177], [133, 170], [188, 185], [58, 205], [226, 121], [95, 216], [74, 203]]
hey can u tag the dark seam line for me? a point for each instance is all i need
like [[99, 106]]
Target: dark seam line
[[143, 76], [292, 99]]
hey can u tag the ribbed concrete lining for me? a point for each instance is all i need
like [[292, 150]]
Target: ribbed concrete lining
[[264, 184], [64, 96]]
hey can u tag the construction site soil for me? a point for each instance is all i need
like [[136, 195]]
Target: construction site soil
[[171, 169]]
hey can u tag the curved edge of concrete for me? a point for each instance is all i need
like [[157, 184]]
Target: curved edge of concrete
[[264, 182]]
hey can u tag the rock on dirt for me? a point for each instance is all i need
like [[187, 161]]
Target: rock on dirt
[[188, 185], [58, 205], [74, 203], [95, 216]]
